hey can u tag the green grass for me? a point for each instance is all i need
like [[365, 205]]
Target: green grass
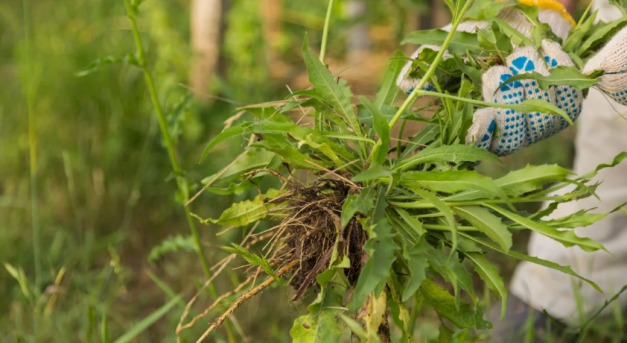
[[102, 194]]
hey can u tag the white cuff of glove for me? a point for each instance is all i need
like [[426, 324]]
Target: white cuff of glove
[[612, 60]]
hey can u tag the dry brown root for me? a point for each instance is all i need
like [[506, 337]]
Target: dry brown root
[[217, 270], [313, 230], [215, 303], [180, 327], [302, 244], [246, 296]]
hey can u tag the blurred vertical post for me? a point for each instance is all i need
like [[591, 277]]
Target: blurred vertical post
[[359, 40], [436, 15], [206, 19], [271, 21]]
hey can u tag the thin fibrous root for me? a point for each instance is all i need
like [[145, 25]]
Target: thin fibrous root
[[213, 305], [193, 300], [246, 296]]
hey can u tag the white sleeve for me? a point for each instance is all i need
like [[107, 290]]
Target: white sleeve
[[607, 11], [601, 135]]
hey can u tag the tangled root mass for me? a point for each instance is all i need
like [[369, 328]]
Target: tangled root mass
[[311, 230]]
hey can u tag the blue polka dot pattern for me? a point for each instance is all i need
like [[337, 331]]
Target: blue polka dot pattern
[[539, 125], [618, 96], [567, 98], [621, 96], [511, 134], [514, 129]]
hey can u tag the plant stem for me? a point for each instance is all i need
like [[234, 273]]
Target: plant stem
[[163, 125], [438, 58], [427, 205], [181, 181], [583, 16], [325, 31], [32, 149]]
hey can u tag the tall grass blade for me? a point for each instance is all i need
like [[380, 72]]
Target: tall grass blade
[[32, 145], [145, 323]]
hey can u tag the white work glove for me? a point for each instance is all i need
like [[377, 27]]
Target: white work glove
[[612, 60], [554, 15], [504, 131]]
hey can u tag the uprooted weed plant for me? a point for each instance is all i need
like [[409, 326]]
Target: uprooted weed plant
[[377, 228]]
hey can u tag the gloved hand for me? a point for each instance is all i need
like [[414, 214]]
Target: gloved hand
[[553, 13], [504, 131]]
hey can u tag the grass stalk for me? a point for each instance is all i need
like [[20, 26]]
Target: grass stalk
[[181, 181], [325, 31], [32, 147], [165, 133], [438, 58]]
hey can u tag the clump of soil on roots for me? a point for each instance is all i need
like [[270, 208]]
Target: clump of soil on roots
[[309, 234], [302, 245]]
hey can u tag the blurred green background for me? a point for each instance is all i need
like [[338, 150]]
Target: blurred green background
[[86, 191]]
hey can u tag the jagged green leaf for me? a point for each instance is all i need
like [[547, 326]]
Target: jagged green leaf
[[289, 153], [358, 203], [412, 221], [560, 76], [250, 211], [491, 276], [417, 262], [254, 259], [524, 257], [381, 249], [445, 209], [615, 161], [575, 220], [455, 153], [486, 222], [601, 35], [463, 316], [577, 35], [453, 181], [251, 159], [452, 270], [542, 106], [530, 178], [373, 173], [227, 133], [380, 124], [566, 237], [330, 91]]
